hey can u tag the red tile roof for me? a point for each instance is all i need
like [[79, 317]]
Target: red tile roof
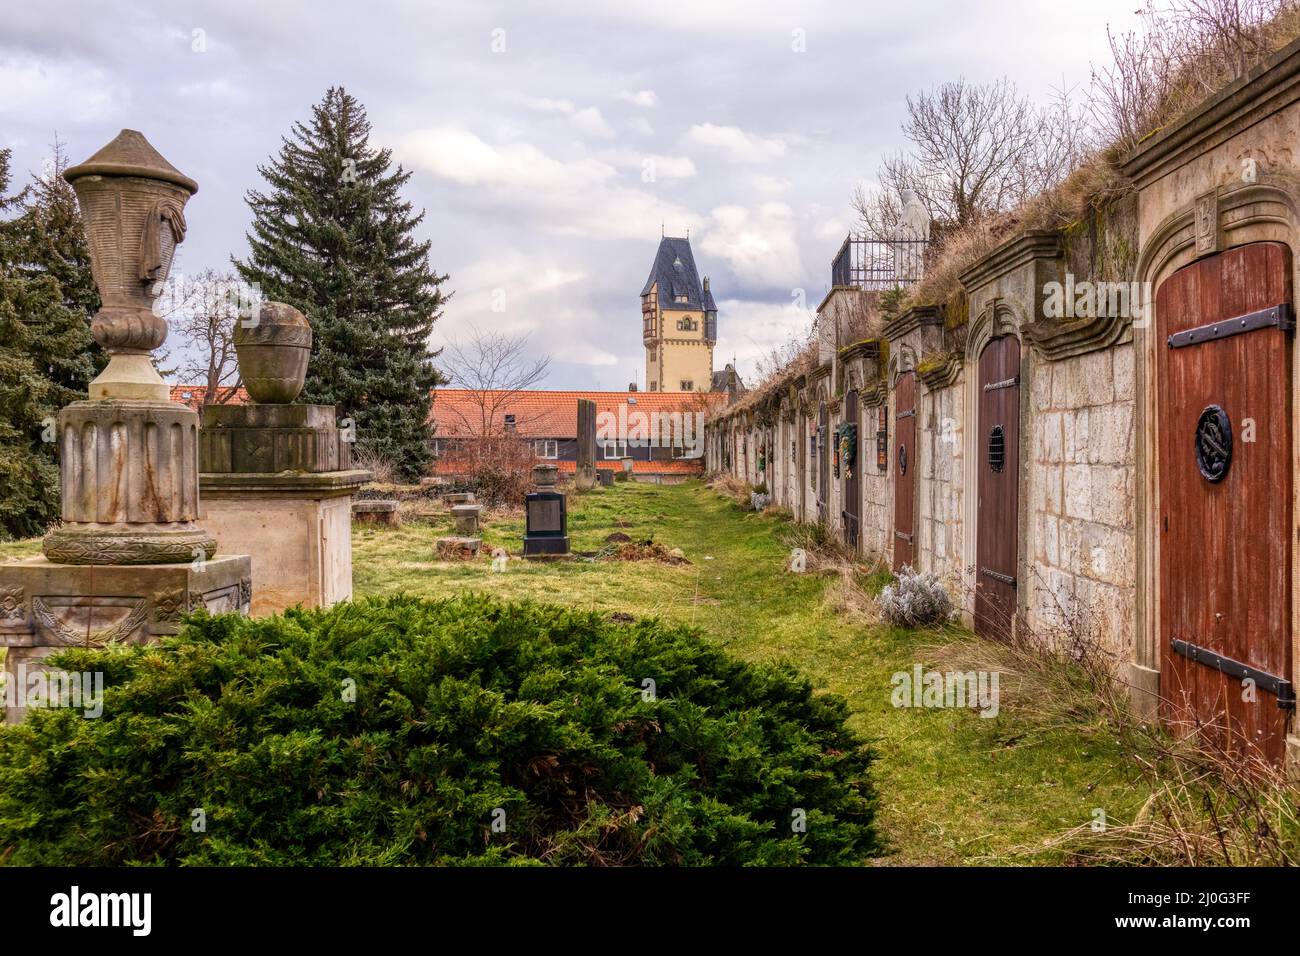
[[192, 395], [550, 414]]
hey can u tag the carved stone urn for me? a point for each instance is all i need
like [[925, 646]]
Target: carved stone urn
[[129, 456], [133, 202], [273, 347]]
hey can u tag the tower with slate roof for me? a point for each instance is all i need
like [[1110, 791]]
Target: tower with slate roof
[[679, 322]]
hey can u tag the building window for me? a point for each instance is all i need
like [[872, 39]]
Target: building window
[[510, 424], [614, 449], [653, 355], [546, 448], [654, 386], [680, 298], [687, 325], [688, 385]]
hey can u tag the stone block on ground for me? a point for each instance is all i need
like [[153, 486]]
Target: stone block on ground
[[466, 518], [459, 498], [376, 511], [458, 548]]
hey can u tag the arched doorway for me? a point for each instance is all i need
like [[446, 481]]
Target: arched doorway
[[1224, 527], [906, 461], [997, 445]]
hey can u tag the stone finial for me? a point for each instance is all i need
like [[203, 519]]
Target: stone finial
[[132, 201], [273, 347], [545, 476]]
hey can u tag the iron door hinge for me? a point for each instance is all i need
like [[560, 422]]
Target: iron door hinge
[[1279, 316], [1280, 686]]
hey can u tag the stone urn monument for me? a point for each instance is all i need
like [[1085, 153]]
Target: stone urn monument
[[273, 347], [130, 558], [546, 532], [277, 476]]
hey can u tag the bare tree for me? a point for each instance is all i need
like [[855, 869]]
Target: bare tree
[[1182, 52], [975, 149], [202, 310], [495, 367]]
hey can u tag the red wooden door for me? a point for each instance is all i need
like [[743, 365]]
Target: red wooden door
[[905, 465], [849, 471], [1224, 382], [998, 506]]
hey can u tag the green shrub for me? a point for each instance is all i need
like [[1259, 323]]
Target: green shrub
[[461, 707]]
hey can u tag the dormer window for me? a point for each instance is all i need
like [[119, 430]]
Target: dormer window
[[680, 298]]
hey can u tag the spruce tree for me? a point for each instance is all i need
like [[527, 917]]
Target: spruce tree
[[332, 236], [53, 243], [44, 349]]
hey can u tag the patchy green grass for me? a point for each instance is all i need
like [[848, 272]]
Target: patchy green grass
[[954, 788]]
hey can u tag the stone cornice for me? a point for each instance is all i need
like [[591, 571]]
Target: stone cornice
[[914, 318], [1015, 252], [1269, 87], [298, 484]]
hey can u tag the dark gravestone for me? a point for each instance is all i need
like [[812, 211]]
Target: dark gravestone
[[546, 532]]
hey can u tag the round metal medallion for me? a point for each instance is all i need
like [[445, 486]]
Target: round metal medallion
[[1213, 443], [902, 459]]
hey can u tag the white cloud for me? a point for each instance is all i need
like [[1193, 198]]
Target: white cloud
[[653, 165], [646, 98], [459, 155], [735, 144], [770, 184], [580, 197], [48, 93], [760, 244], [590, 121], [640, 125]]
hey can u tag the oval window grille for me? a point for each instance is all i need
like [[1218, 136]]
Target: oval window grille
[[902, 459], [1213, 443], [997, 448]]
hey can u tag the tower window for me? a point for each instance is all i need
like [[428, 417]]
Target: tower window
[[687, 325], [680, 298], [688, 385]]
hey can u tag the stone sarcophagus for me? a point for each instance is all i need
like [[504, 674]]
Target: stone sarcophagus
[[129, 559]]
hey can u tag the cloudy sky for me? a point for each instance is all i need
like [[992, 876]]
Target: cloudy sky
[[549, 142]]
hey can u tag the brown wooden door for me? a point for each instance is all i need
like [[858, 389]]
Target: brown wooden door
[[849, 472], [1224, 465], [997, 443], [906, 461], [823, 464]]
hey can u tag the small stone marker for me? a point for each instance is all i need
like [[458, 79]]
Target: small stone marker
[[466, 517], [459, 498], [606, 478], [375, 511]]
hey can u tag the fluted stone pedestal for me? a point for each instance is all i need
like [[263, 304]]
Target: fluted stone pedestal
[[276, 484], [128, 474]]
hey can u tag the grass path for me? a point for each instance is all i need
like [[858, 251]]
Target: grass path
[[955, 788]]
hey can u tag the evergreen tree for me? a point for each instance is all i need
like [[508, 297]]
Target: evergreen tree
[[53, 243], [44, 344], [332, 237]]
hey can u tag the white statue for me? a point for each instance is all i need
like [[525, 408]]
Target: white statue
[[912, 231]]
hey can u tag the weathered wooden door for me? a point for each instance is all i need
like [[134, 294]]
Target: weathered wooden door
[[1224, 426], [823, 464], [906, 460], [849, 470], [997, 443]]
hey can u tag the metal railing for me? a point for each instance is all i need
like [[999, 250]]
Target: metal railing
[[879, 264]]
